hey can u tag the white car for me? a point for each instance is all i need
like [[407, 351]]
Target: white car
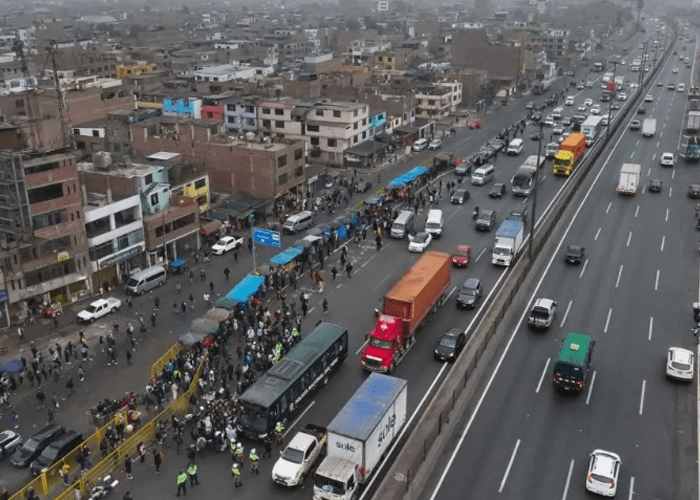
[[419, 242], [648, 98], [667, 160], [603, 471], [225, 244], [570, 100], [435, 144], [680, 364], [604, 121], [549, 122], [622, 96], [99, 308], [583, 108], [675, 70], [595, 110], [680, 87], [588, 102], [557, 130]]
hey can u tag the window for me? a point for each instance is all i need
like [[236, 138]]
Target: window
[[355, 113], [312, 128], [279, 112], [299, 171], [183, 222], [80, 145], [154, 199], [336, 113], [364, 122], [266, 111], [148, 179], [200, 183], [282, 161], [45, 193], [355, 126], [319, 112], [279, 124], [354, 140], [282, 179], [298, 154], [19, 103], [266, 123], [364, 134], [332, 143], [230, 119], [95, 133], [49, 219], [315, 141]]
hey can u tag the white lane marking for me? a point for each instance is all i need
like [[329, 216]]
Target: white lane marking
[[298, 418], [656, 283], [451, 292], [590, 389], [631, 493], [663, 242], [362, 346], [658, 143], [510, 464], [641, 400], [619, 275], [644, 188], [480, 254], [653, 157], [661, 135], [631, 155], [649, 173], [673, 174], [566, 313], [544, 372], [607, 321], [667, 215], [452, 214], [585, 263], [651, 326], [379, 284], [568, 480], [597, 234], [629, 238], [608, 209], [636, 212], [670, 192], [486, 389], [310, 310]]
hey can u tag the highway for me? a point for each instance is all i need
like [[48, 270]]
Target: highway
[[633, 295]]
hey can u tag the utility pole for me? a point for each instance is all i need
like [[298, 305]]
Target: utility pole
[[534, 193], [612, 97], [644, 62], [67, 138]]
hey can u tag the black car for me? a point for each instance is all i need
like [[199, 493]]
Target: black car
[[486, 220], [536, 135], [519, 215], [655, 185], [615, 105], [536, 116], [469, 294], [459, 196], [574, 254], [32, 447], [329, 193], [642, 110], [362, 186], [498, 190], [55, 451], [450, 344], [530, 105], [694, 191], [480, 159]]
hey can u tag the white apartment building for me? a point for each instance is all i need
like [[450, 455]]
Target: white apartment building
[[329, 128], [437, 101]]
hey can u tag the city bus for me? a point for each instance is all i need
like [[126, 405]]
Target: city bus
[[282, 392]]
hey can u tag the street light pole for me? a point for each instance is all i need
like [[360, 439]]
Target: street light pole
[[534, 193], [607, 132]]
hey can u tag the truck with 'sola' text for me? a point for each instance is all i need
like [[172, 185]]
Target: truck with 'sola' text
[[570, 152], [629, 178], [359, 437], [406, 307]]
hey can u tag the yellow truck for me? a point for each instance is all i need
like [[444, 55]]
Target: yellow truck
[[570, 152]]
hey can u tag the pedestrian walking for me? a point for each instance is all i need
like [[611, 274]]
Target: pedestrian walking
[[227, 271], [182, 483], [178, 287], [157, 460], [70, 386], [183, 307], [141, 450], [202, 275], [211, 287], [325, 305], [207, 299], [20, 333], [64, 472], [268, 447], [128, 357], [334, 272], [54, 400], [127, 466], [235, 255], [129, 302], [51, 417], [192, 472], [254, 459], [127, 495], [348, 269], [175, 307], [191, 297], [236, 473], [81, 374], [40, 396], [191, 276]]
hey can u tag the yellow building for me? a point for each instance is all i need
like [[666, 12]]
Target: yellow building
[[196, 189]]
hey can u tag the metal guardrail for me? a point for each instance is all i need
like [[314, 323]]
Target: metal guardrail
[[166, 358]]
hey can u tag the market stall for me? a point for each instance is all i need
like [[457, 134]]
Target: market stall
[[240, 293]]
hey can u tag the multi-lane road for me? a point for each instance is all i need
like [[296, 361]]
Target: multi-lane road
[[633, 295]]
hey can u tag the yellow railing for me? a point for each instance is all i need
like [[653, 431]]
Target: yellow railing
[[166, 358]]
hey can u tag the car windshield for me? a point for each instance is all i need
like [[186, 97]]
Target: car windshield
[[468, 291], [420, 238], [329, 485], [461, 253], [485, 215], [292, 455], [222, 243], [91, 308], [459, 193], [50, 453], [31, 445], [379, 343], [448, 341]]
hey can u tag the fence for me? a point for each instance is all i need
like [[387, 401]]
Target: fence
[[419, 454], [163, 361]]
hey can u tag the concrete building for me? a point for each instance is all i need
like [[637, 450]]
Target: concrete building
[[437, 101], [240, 114], [42, 232]]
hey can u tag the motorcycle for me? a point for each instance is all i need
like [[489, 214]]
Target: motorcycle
[[100, 490]]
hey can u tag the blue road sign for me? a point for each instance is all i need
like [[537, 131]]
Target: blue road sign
[[266, 237]]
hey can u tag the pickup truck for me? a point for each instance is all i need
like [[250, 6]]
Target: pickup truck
[[99, 308], [300, 456], [542, 314]]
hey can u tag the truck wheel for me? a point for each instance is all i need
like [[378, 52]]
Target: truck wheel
[[391, 368], [114, 309], [92, 320]]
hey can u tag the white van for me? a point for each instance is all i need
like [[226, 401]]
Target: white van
[[403, 224], [482, 175], [298, 222], [557, 113], [434, 223], [420, 144], [146, 280], [515, 147], [570, 100]]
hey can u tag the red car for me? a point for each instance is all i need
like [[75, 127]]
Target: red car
[[475, 125], [462, 256]]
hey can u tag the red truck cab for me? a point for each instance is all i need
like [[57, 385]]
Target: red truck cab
[[384, 342]]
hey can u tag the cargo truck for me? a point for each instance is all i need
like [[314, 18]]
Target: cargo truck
[[619, 83], [569, 154], [359, 436], [649, 127], [693, 122], [509, 242], [541, 87], [629, 178], [406, 307], [592, 128]]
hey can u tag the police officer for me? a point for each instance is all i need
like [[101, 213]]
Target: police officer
[[254, 459], [192, 472], [279, 430], [182, 483], [236, 473], [238, 453]]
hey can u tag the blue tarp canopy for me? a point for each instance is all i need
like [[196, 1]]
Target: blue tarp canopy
[[286, 256], [409, 176], [241, 292]]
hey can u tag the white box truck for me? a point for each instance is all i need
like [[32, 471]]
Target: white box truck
[[649, 127], [360, 435], [629, 178], [591, 128], [509, 242]]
